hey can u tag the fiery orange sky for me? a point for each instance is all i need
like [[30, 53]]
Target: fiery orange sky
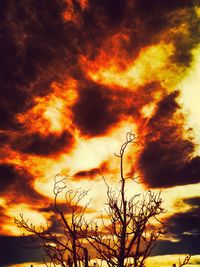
[[75, 77]]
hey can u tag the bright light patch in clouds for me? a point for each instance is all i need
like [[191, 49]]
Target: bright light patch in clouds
[[190, 96], [152, 64], [75, 79]]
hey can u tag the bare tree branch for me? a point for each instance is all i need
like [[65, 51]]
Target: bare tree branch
[[127, 238], [67, 248]]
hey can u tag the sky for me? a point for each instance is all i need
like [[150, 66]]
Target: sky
[[75, 77]]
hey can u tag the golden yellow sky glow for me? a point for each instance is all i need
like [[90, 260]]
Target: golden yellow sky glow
[[190, 95], [89, 153], [156, 261], [76, 79]]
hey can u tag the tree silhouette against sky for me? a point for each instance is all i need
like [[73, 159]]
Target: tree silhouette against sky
[[63, 245], [127, 233]]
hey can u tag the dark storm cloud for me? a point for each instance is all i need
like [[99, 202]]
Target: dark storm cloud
[[194, 202], [61, 206], [92, 173], [187, 245], [166, 166], [155, 13], [16, 185], [104, 17], [55, 223], [93, 112], [185, 227], [166, 159], [166, 108], [8, 176], [112, 12], [3, 138], [146, 22], [57, 226], [186, 223], [157, 17], [99, 108], [185, 42], [14, 250], [34, 39], [87, 174], [43, 145]]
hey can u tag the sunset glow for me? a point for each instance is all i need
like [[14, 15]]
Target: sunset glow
[[79, 75]]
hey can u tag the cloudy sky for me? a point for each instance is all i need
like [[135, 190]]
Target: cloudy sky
[[76, 76]]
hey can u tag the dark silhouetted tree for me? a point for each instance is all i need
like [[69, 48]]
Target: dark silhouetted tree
[[127, 236], [64, 248]]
